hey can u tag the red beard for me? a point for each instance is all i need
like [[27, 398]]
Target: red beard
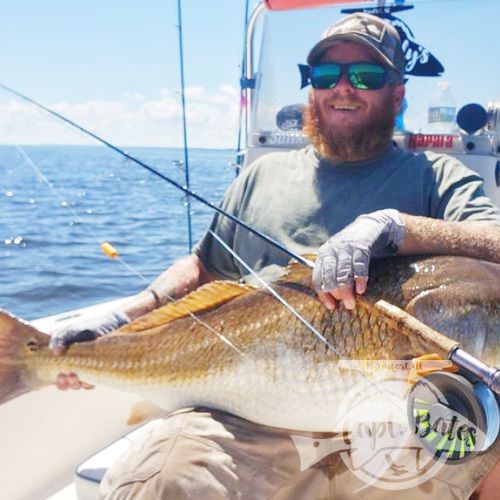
[[336, 143]]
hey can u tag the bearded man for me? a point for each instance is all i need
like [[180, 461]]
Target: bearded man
[[354, 196]]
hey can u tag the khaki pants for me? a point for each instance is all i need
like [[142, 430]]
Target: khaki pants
[[208, 454]]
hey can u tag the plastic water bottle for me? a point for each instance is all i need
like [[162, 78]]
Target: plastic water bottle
[[442, 111]]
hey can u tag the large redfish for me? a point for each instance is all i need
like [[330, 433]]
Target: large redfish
[[244, 353]]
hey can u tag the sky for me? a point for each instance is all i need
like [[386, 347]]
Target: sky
[[113, 65]]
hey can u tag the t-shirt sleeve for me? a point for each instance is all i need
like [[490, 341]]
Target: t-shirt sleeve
[[458, 193], [215, 258]]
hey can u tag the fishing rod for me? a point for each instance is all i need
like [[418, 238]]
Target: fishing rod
[[435, 389], [184, 126], [489, 375], [243, 100], [185, 189]]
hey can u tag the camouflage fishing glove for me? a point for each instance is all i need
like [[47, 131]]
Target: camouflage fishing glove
[[346, 255], [87, 330]]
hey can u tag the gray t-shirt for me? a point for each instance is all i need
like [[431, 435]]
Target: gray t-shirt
[[301, 200]]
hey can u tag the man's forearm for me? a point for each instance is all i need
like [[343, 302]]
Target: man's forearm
[[477, 239], [179, 279]]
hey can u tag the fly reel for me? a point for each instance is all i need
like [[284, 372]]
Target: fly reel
[[452, 417]]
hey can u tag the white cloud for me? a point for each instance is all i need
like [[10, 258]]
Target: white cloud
[[195, 92], [136, 96], [131, 120]]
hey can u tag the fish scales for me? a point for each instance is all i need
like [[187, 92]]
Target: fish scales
[[286, 376]]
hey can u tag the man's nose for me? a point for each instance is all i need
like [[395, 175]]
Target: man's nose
[[344, 85]]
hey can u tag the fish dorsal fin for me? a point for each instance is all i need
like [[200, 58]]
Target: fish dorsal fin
[[205, 297], [295, 271]]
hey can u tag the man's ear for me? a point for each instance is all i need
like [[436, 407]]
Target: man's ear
[[399, 93]]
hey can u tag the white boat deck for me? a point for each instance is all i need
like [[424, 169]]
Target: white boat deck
[[46, 434]]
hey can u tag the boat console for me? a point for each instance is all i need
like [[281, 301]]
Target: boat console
[[476, 142]]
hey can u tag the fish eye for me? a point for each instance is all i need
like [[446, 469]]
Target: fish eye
[[32, 345]]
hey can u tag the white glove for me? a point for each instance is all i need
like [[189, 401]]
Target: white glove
[[82, 331], [346, 255]]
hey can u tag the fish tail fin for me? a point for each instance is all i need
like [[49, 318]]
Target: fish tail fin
[[17, 341]]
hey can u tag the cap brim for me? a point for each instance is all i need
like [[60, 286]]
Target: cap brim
[[321, 47]]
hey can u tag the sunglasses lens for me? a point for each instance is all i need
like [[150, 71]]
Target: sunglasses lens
[[362, 75], [367, 76], [325, 76]]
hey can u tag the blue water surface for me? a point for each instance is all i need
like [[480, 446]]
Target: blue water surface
[[50, 235]]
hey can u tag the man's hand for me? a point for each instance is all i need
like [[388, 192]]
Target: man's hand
[[81, 332], [343, 261], [71, 381]]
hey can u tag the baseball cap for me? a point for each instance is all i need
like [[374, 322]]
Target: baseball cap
[[366, 29]]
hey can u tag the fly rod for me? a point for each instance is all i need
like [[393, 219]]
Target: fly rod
[[490, 375]]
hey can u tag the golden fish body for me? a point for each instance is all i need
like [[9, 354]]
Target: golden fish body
[[269, 367]]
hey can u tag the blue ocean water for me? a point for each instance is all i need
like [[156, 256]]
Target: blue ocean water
[[50, 235]]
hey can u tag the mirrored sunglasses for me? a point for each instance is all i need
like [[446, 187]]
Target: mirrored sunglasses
[[361, 75]]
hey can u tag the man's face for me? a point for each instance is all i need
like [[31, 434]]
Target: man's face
[[346, 117]]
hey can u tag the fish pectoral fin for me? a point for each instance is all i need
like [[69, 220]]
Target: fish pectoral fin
[[142, 411], [429, 363], [204, 298]]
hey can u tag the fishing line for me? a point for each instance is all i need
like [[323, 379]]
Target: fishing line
[[321, 337], [117, 257], [187, 191], [273, 292], [78, 218], [171, 298], [266, 238], [193, 316], [221, 337]]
